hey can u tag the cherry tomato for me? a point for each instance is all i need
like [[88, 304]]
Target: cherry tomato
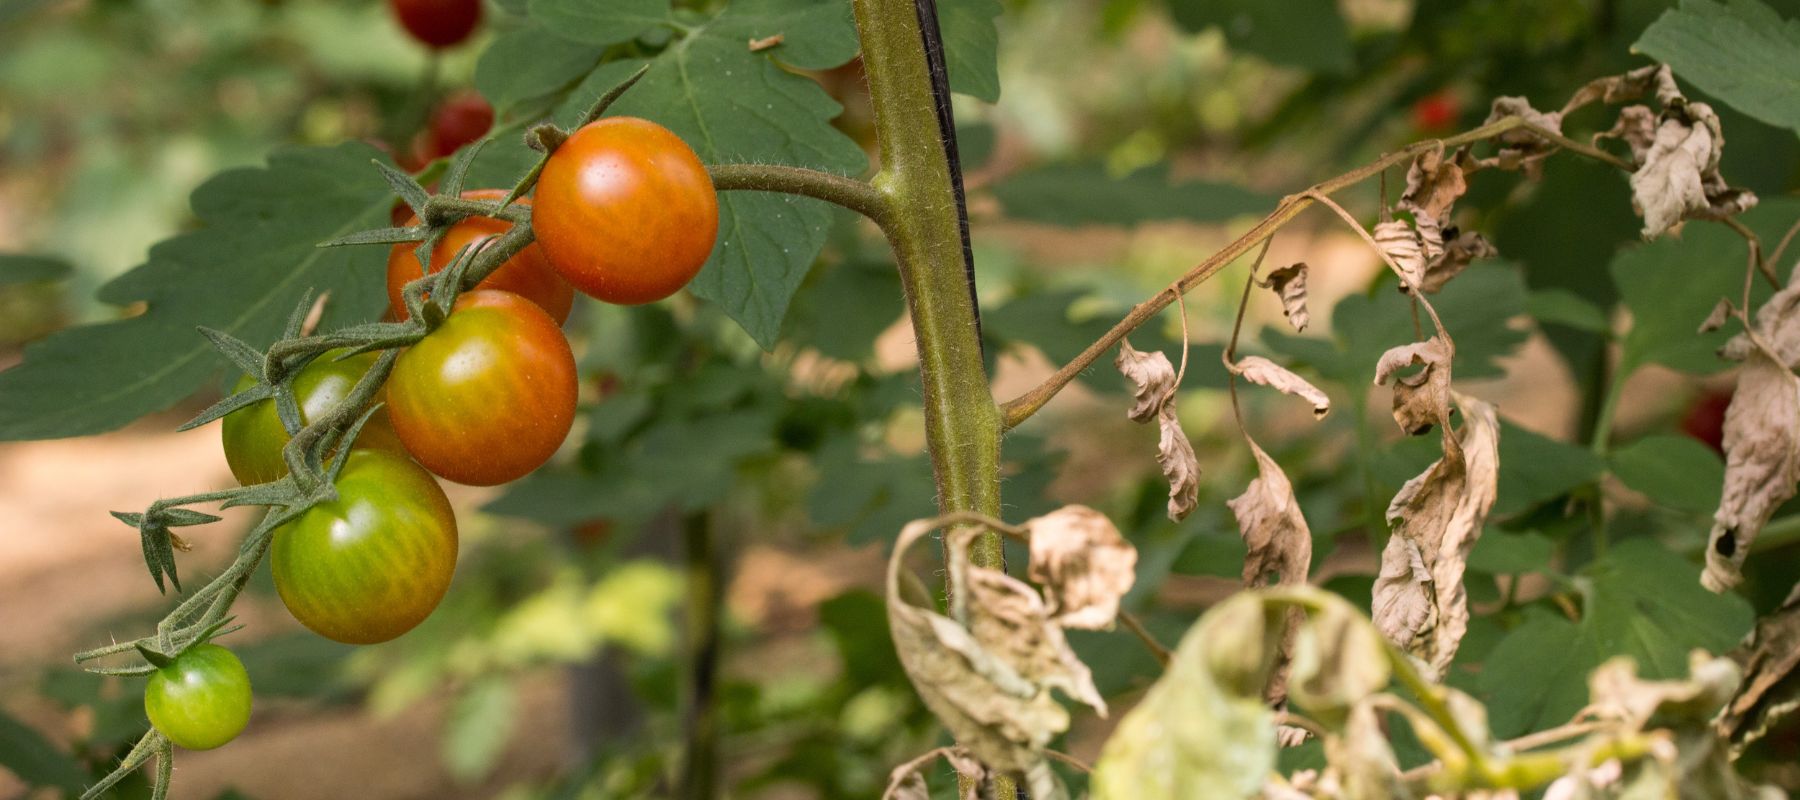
[[373, 563], [527, 274], [254, 436], [626, 211], [438, 23], [1435, 112], [459, 120], [488, 396], [201, 699], [1705, 419]]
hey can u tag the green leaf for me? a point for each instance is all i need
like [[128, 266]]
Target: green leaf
[[846, 307], [600, 21], [1503, 553], [1085, 194], [735, 106], [1675, 471], [1671, 285], [1299, 33], [1739, 51], [1641, 601], [18, 268], [250, 260], [34, 760], [1566, 308], [971, 46], [529, 62], [480, 723], [1534, 469]]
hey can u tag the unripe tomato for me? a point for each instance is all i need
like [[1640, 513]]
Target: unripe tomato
[[626, 211], [373, 563], [201, 699], [527, 274], [253, 436], [437, 23], [460, 120], [490, 395]]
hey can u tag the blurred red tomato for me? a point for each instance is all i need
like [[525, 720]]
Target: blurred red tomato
[[1705, 419]]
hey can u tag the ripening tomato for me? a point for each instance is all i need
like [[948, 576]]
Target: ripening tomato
[[438, 23], [625, 211], [490, 395], [201, 699], [1436, 112], [526, 274], [459, 120], [1705, 418], [373, 563], [253, 436]]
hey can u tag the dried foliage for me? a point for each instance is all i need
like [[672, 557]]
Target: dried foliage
[[1084, 565], [1259, 370], [1770, 660], [1289, 284], [1422, 399], [1153, 381]]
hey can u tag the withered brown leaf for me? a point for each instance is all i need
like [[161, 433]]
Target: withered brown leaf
[[1084, 565], [1259, 370], [1434, 181], [1404, 247], [1275, 532], [1153, 379], [1289, 283], [1762, 463], [1419, 600], [1453, 258], [1678, 174], [1770, 658], [1011, 622], [1421, 400], [1523, 148]]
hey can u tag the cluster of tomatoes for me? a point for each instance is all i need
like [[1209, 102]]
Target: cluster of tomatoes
[[625, 212]]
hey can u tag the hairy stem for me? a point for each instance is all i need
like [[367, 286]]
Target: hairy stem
[[850, 193], [700, 723]]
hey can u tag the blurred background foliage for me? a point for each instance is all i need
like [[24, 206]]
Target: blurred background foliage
[[1129, 139]]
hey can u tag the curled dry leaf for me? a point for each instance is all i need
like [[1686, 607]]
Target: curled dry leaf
[[1655, 79], [1523, 148], [1422, 399], [1677, 154], [1419, 601], [1279, 547], [1001, 716], [1770, 659], [1777, 325], [1434, 182], [1762, 463], [1636, 127], [1259, 370], [1084, 565], [1010, 621], [1715, 319], [1455, 256], [1405, 248], [1289, 283], [1153, 380]]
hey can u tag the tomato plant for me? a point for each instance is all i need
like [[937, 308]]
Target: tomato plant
[[626, 211], [253, 437], [438, 23], [372, 564], [201, 698], [526, 274], [490, 395]]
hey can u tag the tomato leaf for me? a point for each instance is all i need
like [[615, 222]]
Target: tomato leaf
[[21, 268], [252, 257], [34, 760], [610, 22], [1299, 33], [1085, 194], [1641, 601], [529, 62], [971, 46], [1740, 51], [1674, 471]]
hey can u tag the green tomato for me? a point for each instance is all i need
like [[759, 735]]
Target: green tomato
[[253, 436], [373, 563], [201, 699]]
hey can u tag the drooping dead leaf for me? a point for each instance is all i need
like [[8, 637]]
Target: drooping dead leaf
[[1153, 379], [1636, 127], [1434, 181], [1289, 283], [1777, 326], [1677, 174], [1770, 658], [1520, 148], [1084, 565], [1275, 533], [1010, 621], [1762, 463], [1455, 256], [1655, 79], [1404, 247], [1419, 601], [1259, 370], [1422, 399], [1002, 717], [1715, 319]]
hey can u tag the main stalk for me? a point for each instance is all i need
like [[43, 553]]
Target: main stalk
[[962, 424]]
